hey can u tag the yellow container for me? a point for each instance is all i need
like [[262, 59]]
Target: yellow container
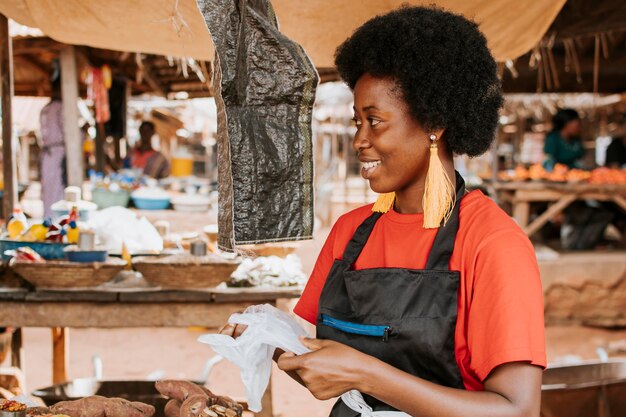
[[182, 167]]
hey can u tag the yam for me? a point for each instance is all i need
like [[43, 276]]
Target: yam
[[172, 408], [97, 406], [178, 390], [193, 406]]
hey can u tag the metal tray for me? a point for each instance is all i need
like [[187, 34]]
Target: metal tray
[[591, 389], [142, 391]]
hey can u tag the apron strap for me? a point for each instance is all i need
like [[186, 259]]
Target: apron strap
[[443, 245], [356, 244], [441, 251]]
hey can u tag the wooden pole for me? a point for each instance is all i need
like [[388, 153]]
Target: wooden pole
[[100, 139], [60, 354], [71, 131], [9, 146], [17, 351]]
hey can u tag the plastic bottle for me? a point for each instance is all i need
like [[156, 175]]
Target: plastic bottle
[[37, 232], [17, 223], [72, 233], [56, 237], [73, 217]]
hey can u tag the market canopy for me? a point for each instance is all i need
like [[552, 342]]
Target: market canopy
[[177, 28]]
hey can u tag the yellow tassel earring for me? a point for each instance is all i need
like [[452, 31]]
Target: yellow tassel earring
[[384, 202], [439, 191]]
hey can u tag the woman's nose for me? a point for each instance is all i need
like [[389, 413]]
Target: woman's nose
[[360, 141]]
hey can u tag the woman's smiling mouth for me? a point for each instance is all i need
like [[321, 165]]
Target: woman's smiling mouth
[[367, 168]]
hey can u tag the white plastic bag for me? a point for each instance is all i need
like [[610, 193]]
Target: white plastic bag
[[268, 329], [117, 225]]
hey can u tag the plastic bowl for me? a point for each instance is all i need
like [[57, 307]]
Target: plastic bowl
[[143, 203], [191, 203], [86, 255], [106, 198]]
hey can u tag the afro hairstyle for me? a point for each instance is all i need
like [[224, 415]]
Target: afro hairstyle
[[442, 66]]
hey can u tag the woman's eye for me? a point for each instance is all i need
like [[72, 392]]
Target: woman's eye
[[356, 122], [373, 122]]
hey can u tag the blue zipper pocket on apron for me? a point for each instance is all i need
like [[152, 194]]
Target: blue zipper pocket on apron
[[357, 328]]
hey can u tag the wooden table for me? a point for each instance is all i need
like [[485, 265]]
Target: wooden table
[[60, 310], [559, 195]]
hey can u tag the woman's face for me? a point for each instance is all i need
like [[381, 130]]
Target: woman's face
[[392, 147], [571, 129]]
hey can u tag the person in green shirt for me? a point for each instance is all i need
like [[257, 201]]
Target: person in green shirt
[[563, 144]]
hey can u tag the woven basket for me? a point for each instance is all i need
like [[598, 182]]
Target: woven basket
[[185, 271], [65, 274]]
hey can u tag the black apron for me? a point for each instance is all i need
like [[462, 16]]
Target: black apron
[[404, 317]]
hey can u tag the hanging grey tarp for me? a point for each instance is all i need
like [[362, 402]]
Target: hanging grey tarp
[[264, 90]]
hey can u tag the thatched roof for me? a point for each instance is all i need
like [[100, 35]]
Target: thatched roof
[[146, 73]]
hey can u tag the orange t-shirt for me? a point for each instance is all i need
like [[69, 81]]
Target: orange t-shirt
[[140, 159], [500, 302]]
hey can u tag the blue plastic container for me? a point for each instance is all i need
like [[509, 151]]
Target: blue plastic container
[[106, 198], [46, 250], [86, 255], [151, 203]]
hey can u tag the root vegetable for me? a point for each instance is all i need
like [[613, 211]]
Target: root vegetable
[[172, 408], [192, 400], [193, 406], [178, 390], [96, 406]]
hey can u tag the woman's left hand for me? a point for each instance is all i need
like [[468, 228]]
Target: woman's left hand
[[329, 370]]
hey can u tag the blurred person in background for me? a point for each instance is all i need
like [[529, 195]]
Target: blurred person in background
[[563, 144], [52, 161], [153, 163], [616, 153]]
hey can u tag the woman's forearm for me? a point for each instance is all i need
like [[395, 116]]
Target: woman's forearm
[[419, 397]]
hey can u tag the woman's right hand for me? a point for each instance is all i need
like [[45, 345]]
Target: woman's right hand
[[233, 330]]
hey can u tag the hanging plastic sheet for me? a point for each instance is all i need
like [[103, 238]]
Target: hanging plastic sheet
[[264, 89]]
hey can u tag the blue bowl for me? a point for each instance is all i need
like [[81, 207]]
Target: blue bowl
[[46, 250], [86, 255], [151, 203]]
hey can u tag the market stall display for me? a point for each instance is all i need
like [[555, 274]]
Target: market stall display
[[562, 174], [560, 195], [10, 408], [48, 238], [112, 190], [68, 274], [151, 198], [96, 406], [186, 270], [191, 203], [189, 400], [270, 271], [73, 198]]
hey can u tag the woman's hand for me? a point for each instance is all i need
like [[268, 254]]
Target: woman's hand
[[233, 330], [330, 370]]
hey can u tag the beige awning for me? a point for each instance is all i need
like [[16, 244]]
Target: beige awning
[[176, 27]]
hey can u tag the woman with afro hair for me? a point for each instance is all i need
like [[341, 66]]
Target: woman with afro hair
[[416, 318]]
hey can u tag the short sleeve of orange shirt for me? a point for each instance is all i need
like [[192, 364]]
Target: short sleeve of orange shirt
[[500, 303]]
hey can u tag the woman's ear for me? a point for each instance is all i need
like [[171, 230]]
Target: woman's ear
[[439, 133]]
